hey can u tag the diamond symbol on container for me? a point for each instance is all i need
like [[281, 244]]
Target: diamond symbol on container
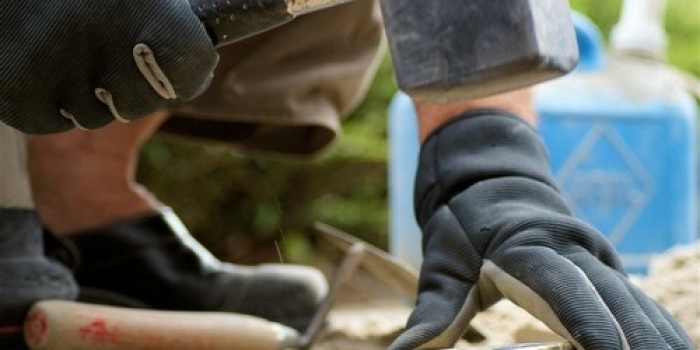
[[606, 183]]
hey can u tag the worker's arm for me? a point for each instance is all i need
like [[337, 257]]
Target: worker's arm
[[495, 226], [86, 63]]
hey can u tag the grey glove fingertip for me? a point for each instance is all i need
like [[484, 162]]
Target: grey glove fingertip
[[179, 62], [668, 327], [573, 307], [125, 97], [447, 300], [148, 66], [16, 117], [82, 108], [642, 325], [72, 119], [106, 97]]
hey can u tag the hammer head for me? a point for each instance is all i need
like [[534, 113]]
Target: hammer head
[[446, 50]]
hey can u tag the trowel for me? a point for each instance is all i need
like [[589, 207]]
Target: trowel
[[403, 277], [395, 272]]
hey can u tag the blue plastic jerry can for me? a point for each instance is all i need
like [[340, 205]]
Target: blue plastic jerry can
[[621, 135], [404, 233], [620, 131]]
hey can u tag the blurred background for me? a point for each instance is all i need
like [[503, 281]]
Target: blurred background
[[256, 208]]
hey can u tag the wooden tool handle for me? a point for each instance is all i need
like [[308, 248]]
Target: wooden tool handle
[[59, 325]]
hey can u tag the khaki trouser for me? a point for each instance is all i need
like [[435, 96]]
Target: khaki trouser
[[287, 90], [14, 180]]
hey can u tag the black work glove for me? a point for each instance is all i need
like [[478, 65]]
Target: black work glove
[[85, 63], [495, 226]]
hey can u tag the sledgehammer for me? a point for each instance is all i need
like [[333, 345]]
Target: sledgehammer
[[442, 50], [445, 50]]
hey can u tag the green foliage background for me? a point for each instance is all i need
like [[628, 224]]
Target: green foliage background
[[252, 209]]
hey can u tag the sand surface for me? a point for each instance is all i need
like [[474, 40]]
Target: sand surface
[[370, 315]]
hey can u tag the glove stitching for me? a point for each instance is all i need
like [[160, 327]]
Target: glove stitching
[[72, 118], [147, 64], [106, 97]]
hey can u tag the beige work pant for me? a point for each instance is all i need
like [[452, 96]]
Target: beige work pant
[[14, 180], [288, 89]]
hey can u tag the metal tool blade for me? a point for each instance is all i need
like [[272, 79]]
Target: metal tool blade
[[229, 21], [348, 265], [397, 273]]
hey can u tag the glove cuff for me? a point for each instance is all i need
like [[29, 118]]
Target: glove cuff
[[478, 145]]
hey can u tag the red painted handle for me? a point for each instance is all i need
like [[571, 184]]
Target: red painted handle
[[65, 325]]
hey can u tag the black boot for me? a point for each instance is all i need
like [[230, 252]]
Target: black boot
[[26, 276], [153, 262]]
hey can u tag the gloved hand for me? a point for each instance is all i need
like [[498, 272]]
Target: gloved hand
[[86, 63], [495, 226]]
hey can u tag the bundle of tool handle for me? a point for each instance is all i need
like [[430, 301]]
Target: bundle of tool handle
[[65, 325], [442, 51]]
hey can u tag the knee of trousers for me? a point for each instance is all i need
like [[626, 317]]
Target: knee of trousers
[[15, 190]]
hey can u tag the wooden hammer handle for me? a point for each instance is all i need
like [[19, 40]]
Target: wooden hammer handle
[[65, 325]]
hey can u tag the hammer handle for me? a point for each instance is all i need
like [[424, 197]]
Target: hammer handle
[[65, 325], [228, 21]]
